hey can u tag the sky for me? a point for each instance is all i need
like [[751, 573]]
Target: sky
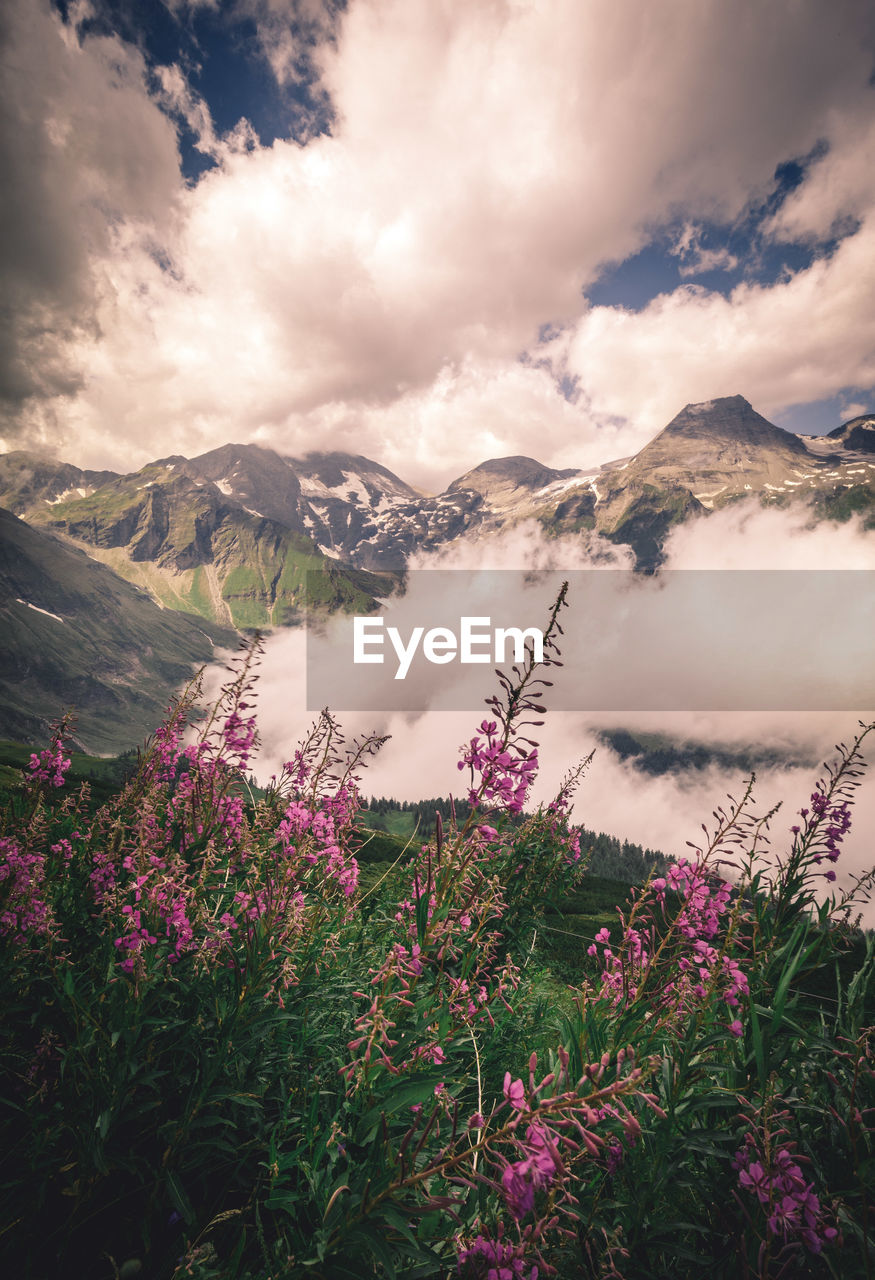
[[440, 231], [430, 231]]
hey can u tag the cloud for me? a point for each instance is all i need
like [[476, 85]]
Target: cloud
[[801, 339], [840, 186], [291, 33], [178, 98], [749, 536], [660, 812], [82, 150], [695, 259], [380, 282]]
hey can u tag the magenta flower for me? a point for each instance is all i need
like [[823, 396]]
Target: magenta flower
[[514, 1092], [519, 1188]]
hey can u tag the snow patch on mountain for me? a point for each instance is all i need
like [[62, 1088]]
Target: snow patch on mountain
[[48, 613]]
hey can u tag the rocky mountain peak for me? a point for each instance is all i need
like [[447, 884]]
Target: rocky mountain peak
[[507, 474], [716, 440], [255, 477], [857, 434], [728, 419], [335, 474]]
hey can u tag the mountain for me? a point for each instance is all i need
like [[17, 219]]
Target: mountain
[[181, 531], [257, 479], [505, 482], [709, 455], [348, 477], [72, 633], [858, 434], [231, 534], [28, 480], [725, 435], [118, 585]]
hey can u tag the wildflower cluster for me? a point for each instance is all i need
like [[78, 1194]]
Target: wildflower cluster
[[496, 1259], [235, 1040], [504, 761], [532, 1147], [825, 825], [50, 765], [324, 851], [559, 810], [189, 872], [507, 771], [25, 910], [670, 946], [772, 1174]]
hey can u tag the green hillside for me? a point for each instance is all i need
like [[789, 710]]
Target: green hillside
[[73, 634], [195, 550]]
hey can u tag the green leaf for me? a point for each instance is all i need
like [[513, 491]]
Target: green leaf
[[180, 1200], [790, 969], [392, 1214], [401, 1096], [758, 1046], [357, 1245], [421, 916]]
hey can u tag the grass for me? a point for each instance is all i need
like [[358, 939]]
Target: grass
[[105, 775]]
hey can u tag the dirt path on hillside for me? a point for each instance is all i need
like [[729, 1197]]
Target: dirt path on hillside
[[223, 613]]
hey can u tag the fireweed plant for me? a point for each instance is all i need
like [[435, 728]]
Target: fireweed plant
[[234, 1048]]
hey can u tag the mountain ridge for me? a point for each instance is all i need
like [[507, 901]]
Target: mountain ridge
[[231, 533], [191, 544]]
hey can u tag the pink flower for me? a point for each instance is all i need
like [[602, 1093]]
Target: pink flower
[[519, 1188], [514, 1092], [543, 1154]]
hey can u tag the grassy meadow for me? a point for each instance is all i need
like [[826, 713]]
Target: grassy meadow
[[247, 1036]]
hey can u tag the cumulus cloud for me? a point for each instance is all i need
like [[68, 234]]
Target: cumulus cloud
[[840, 186], [379, 283], [746, 535], [179, 99], [82, 150], [791, 342]]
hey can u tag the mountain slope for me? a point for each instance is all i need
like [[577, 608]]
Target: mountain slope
[[72, 633], [231, 534], [857, 434], [505, 482], [711, 454], [708, 454], [195, 548], [27, 480]]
